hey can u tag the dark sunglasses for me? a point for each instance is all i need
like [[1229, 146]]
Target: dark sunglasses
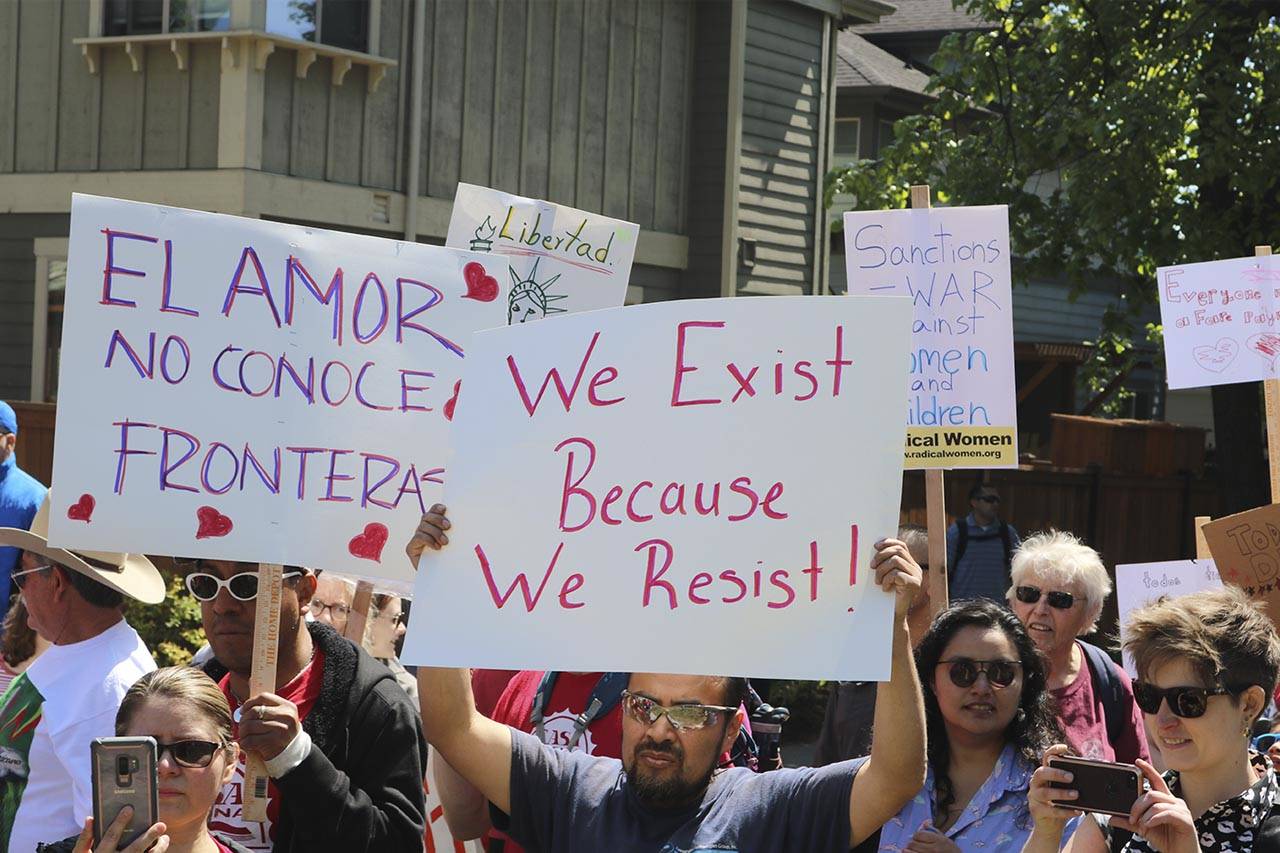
[[964, 671], [683, 718], [243, 587], [1057, 600], [1186, 702], [189, 753]]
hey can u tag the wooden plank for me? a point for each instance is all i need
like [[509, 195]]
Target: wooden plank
[[566, 101], [781, 134], [535, 159], [10, 49], [309, 125], [35, 89], [619, 115], [444, 156], [478, 87], [788, 20], [594, 107], [782, 81], [123, 102], [645, 114], [674, 95], [164, 144], [361, 603], [79, 98], [277, 114], [202, 140], [805, 67], [262, 677], [55, 76], [781, 116], [509, 93], [346, 102], [1202, 544]]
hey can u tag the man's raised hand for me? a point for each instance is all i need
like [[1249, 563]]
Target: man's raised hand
[[430, 534], [897, 572]]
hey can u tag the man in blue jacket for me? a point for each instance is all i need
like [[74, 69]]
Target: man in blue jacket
[[20, 497]]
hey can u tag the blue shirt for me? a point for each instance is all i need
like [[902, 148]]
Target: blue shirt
[[997, 818], [982, 573], [20, 499]]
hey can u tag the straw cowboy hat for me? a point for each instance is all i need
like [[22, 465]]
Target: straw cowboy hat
[[131, 574]]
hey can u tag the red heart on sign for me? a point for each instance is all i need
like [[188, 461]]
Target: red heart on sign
[[212, 523], [453, 401], [82, 510], [368, 545], [480, 286]]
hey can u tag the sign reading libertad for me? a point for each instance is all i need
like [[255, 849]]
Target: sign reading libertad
[[250, 390], [662, 486]]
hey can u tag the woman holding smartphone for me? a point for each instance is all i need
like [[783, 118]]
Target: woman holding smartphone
[[1206, 662], [186, 713], [989, 719]]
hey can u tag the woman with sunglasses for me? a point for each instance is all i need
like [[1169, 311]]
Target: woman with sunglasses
[[988, 719], [186, 713], [1206, 664], [1059, 585]]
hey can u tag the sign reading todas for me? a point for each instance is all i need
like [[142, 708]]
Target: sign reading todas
[[954, 264], [1221, 321], [1139, 584], [256, 391], [690, 486], [559, 259], [1246, 549]]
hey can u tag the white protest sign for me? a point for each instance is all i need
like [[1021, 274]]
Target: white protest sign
[[1139, 584], [954, 264], [559, 259], [256, 391], [1221, 321], [689, 486]]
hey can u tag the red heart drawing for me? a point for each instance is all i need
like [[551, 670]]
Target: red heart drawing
[[82, 510], [453, 401], [480, 286], [212, 523], [1266, 345], [368, 545]]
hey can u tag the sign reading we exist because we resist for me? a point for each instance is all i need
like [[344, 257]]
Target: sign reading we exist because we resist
[[1221, 321], [690, 486], [256, 391], [954, 264]]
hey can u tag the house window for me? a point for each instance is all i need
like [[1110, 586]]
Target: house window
[[848, 131], [46, 337], [144, 17], [340, 23]]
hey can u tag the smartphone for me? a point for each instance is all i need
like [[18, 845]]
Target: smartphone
[[1103, 787], [124, 774]]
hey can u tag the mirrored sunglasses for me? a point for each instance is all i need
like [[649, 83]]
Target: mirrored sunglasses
[[683, 718], [1057, 600], [964, 672], [1186, 702], [242, 587]]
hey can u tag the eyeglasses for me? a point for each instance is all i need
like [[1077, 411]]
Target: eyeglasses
[[338, 609], [1057, 600], [189, 753], [242, 587], [1185, 702], [964, 671], [683, 718], [17, 583], [400, 618], [990, 499]]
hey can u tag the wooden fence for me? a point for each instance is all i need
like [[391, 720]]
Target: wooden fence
[[35, 438]]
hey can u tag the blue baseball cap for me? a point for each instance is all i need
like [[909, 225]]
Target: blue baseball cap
[[8, 419]]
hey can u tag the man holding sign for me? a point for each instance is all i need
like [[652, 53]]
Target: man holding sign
[[666, 791]]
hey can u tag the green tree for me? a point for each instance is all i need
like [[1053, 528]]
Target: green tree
[[172, 628], [1123, 136]]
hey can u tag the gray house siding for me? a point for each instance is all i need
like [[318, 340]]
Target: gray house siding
[[783, 143]]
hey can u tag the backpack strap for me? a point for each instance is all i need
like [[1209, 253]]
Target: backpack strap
[[962, 542], [1107, 684], [536, 713], [604, 697]]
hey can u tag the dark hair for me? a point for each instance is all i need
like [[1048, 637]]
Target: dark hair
[[978, 488], [179, 683], [735, 691], [17, 640], [93, 592], [1034, 728]]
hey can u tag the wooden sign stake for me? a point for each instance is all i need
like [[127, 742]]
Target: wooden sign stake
[[1202, 544], [935, 498], [1271, 394], [262, 678], [360, 606]]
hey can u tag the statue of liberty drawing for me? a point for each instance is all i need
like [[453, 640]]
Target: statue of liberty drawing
[[530, 299]]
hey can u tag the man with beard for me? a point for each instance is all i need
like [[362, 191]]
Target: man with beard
[[667, 792], [341, 740]]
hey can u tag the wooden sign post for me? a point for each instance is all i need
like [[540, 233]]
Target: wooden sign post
[[262, 677], [1271, 394], [935, 496], [361, 603]]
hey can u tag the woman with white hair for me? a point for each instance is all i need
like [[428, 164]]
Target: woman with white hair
[[1058, 588]]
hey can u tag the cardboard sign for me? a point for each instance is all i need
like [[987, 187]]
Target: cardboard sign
[[1221, 321], [954, 264], [559, 259], [256, 391], [686, 487], [1139, 584], [1246, 549]]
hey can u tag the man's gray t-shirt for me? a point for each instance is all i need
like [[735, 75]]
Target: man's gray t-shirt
[[571, 802]]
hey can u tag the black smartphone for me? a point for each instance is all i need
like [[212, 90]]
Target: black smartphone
[[124, 774], [1103, 787]]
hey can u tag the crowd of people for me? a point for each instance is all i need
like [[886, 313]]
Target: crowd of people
[[953, 752]]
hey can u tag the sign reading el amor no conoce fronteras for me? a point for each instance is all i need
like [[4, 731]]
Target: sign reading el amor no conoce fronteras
[[248, 390], [658, 487], [954, 264], [1221, 321], [559, 259]]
